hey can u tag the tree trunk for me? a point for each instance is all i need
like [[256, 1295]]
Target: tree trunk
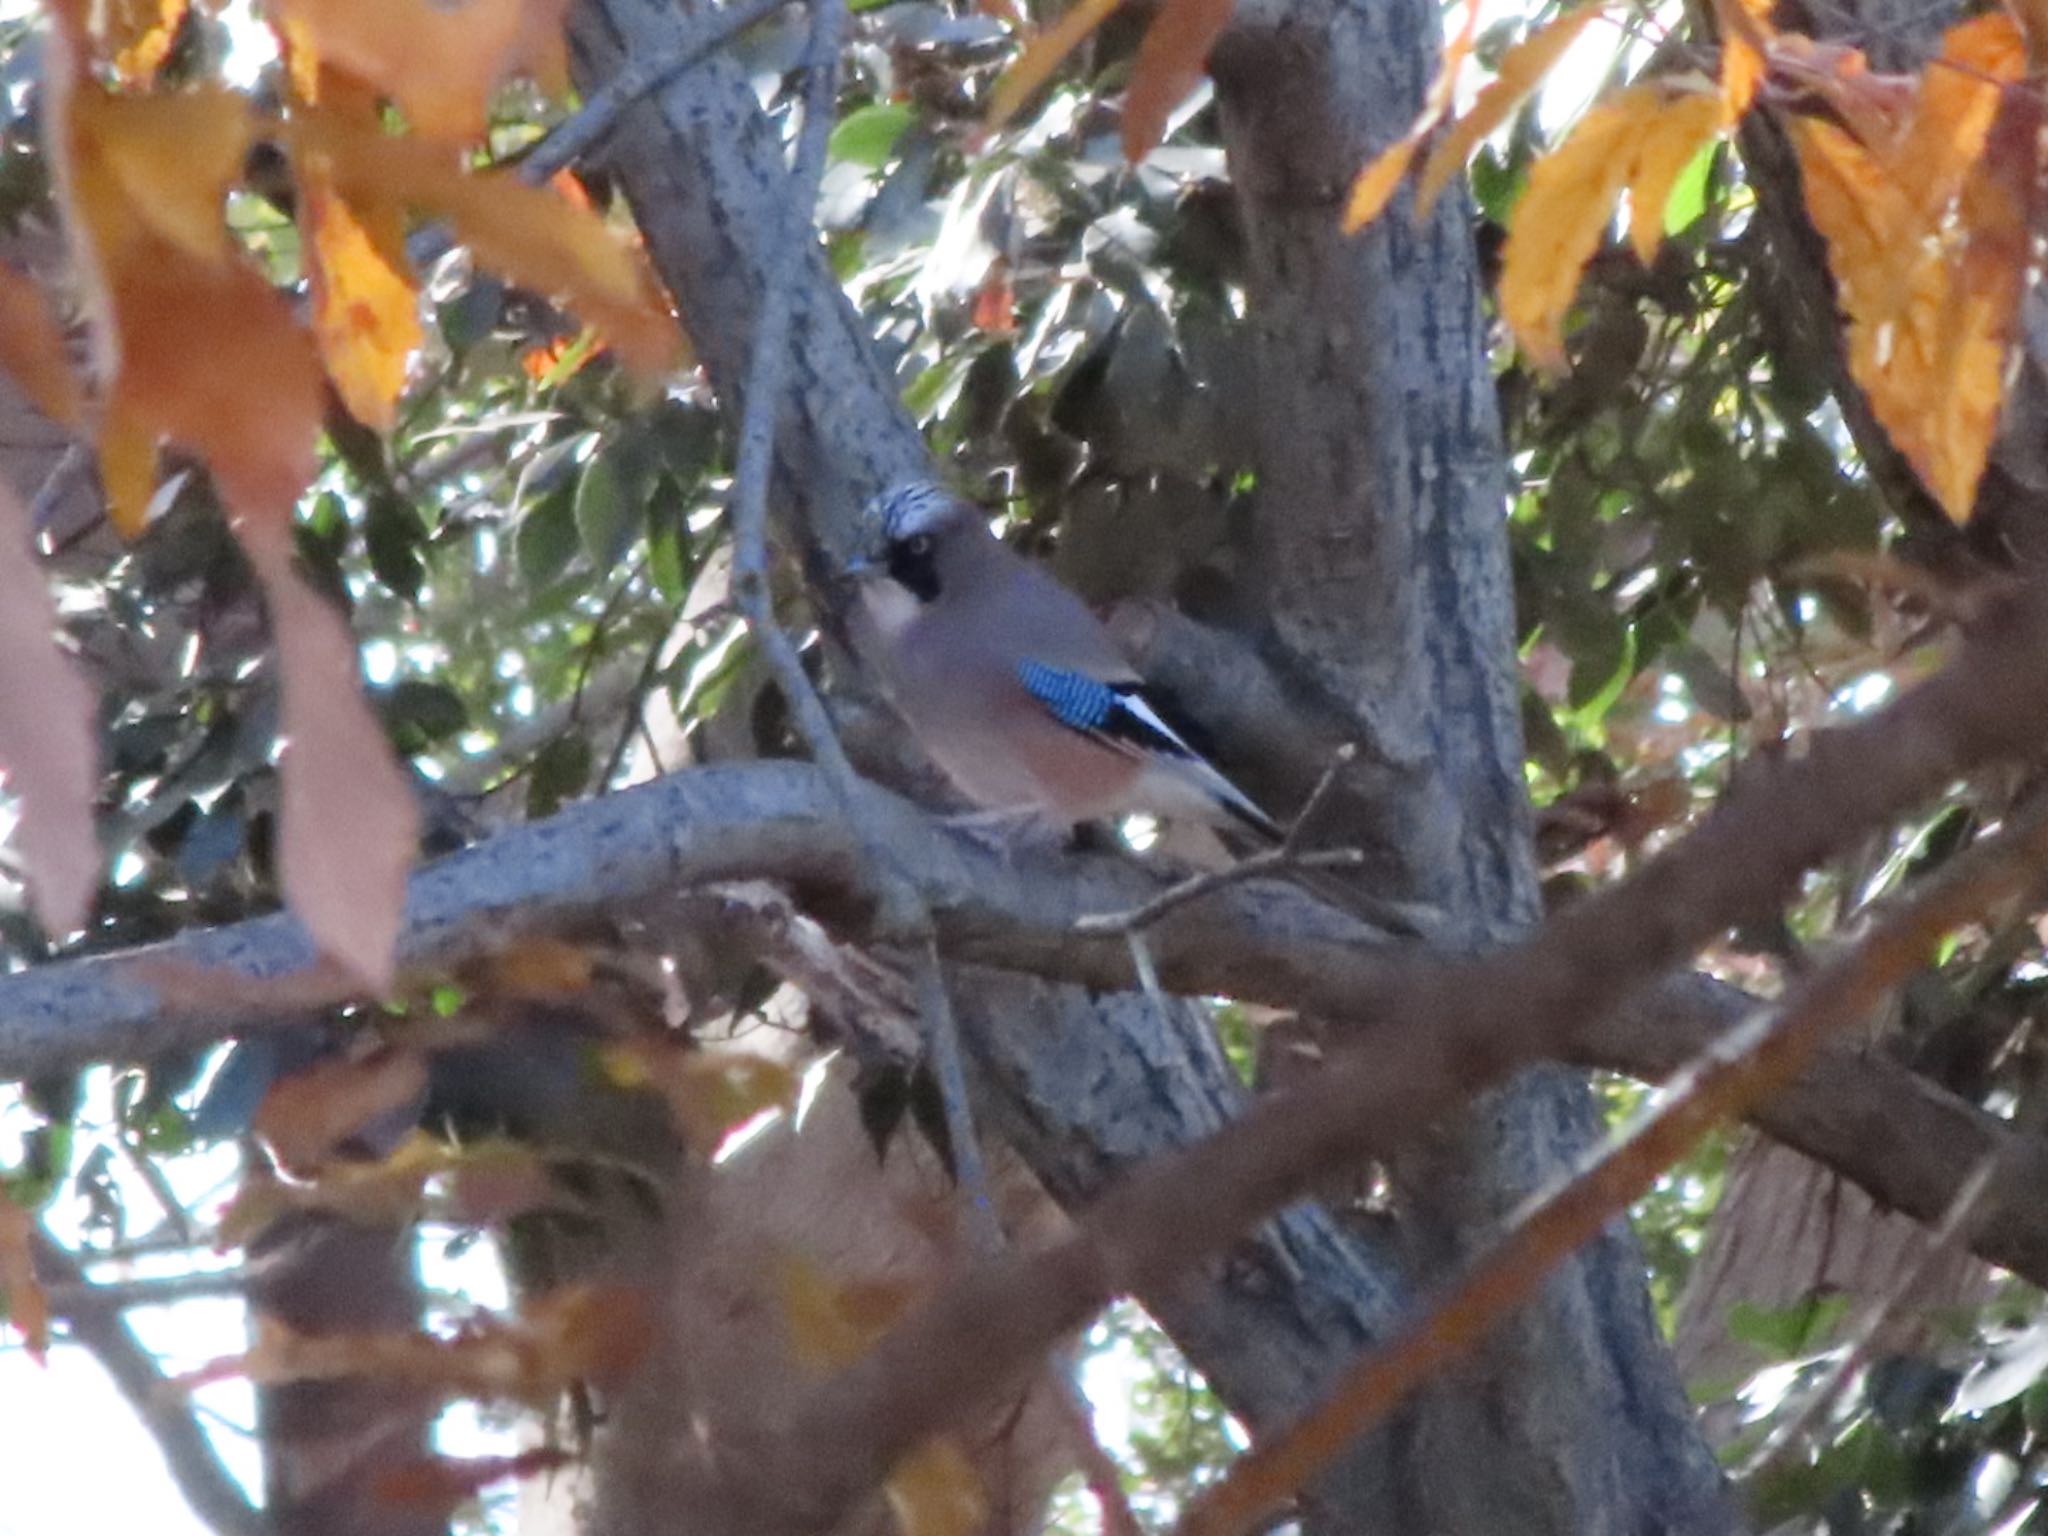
[[1397, 492], [1384, 568]]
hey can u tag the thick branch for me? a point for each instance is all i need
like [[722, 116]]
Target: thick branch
[[96, 1323]]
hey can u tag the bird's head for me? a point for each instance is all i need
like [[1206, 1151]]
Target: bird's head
[[910, 534]]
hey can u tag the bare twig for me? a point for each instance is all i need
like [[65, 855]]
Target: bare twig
[[695, 37], [942, 1044], [97, 1325], [765, 394], [1750, 1062], [1280, 860]]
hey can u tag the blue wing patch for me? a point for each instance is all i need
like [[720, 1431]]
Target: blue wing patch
[[1120, 716]]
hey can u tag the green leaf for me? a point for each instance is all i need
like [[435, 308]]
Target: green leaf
[[418, 714], [1787, 1333], [867, 136], [560, 772], [546, 540], [392, 533], [1689, 192], [668, 544], [604, 523]]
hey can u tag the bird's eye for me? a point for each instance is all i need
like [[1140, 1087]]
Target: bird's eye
[[918, 545]]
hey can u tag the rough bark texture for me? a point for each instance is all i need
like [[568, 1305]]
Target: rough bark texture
[[703, 169], [1385, 571], [1385, 574]]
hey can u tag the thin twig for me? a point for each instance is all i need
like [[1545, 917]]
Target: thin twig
[[697, 36], [189, 1456], [1267, 861], [765, 391], [1956, 1222], [1285, 857], [942, 1043], [1751, 1061]]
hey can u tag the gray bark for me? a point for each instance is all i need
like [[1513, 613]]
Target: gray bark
[[1387, 582], [1384, 569], [703, 169]]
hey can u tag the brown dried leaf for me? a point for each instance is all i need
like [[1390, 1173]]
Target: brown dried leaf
[[28, 1307], [579, 1333], [306, 1116], [49, 747], [32, 349], [1170, 64], [1041, 56], [349, 822], [710, 1094], [439, 1485]]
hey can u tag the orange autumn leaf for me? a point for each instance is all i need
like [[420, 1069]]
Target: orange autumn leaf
[[212, 359], [1558, 223], [1958, 97], [1929, 325], [1521, 69], [49, 741], [139, 33], [28, 1308], [1170, 64], [439, 63], [1660, 155], [349, 824], [191, 343], [32, 349], [1374, 186], [159, 164], [1042, 55], [528, 234], [710, 1094], [365, 303], [1745, 37]]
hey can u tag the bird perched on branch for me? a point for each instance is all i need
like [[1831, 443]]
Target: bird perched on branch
[[1012, 685]]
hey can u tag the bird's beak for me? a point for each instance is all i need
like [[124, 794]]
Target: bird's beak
[[862, 568]]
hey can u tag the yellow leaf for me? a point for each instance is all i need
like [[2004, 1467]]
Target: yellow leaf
[[1170, 63], [170, 158], [832, 1323], [440, 63], [1374, 187], [1558, 223], [1376, 184], [934, 1492], [1521, 69], [365, 304], [1041, 56], [1663, 151], [28, 1309], [532, 235], [139, 33]]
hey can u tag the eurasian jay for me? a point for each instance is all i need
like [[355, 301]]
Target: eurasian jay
[[1012, 686]]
